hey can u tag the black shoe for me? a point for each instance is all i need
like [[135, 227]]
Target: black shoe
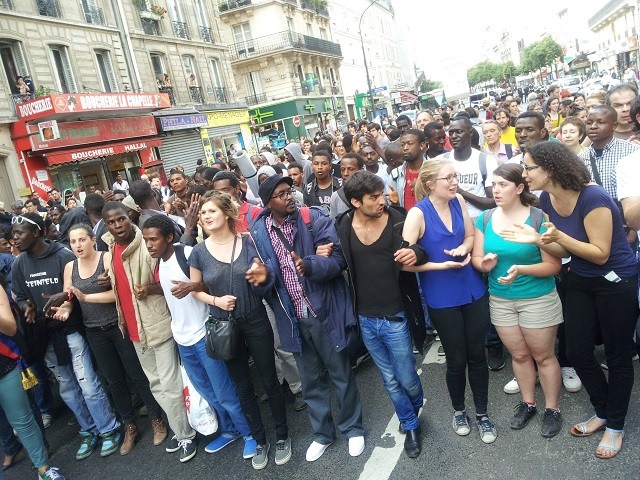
[[413, 442], [551, 423], [496, 358], [428, 340], [523, 413], [401, 429]]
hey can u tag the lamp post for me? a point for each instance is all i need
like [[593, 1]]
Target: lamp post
[[364, 56]]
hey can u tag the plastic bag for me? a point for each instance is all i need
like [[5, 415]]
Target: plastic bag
[[202, 417]]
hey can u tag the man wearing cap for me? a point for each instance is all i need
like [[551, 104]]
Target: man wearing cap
[[314, 315], [485, 114]]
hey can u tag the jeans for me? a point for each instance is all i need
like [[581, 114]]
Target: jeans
[[256, 340], [80, 388], [462, 332], [318, 362], [389, 344], [211, 379], [593, 303], [116, 357], [42, 391], [15, 403], [161, 365], [10, 443]]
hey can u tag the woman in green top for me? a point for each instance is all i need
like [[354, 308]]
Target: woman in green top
[[525, 307]]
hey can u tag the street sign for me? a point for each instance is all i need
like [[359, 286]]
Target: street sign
[[296, 121]]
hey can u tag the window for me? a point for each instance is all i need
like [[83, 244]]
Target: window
[[62, 69], [13, 63], [242, 37], [290, 26], [177, 19], [323, 34], [219, 91], [105, 69], [203, 23], [253, 84], [309, 29], [92, 13], [157, 63], [300, 73], [49, 8], [319, 77], [6, 5]]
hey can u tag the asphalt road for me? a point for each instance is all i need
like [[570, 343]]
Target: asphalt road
[[516, 455]]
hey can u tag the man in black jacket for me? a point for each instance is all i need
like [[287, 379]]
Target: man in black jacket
[[371, 239]]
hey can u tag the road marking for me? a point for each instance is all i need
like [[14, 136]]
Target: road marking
[[385, 455], [432, 355]]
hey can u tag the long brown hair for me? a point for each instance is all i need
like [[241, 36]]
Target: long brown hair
[[225, 203]]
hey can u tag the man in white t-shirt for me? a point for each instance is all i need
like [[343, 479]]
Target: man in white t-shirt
[[120, 184], [474, 168]]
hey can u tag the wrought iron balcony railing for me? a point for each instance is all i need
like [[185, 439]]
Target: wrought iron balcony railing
[[196, 94], [257, 98], [180, 29], [283, 40], [49, 8], [94, 15], [6, 5], [149, 26], [205, 34], [219, 95]]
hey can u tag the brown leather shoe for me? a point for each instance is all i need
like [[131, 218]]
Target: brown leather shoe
[[130, 438], [159, 431]]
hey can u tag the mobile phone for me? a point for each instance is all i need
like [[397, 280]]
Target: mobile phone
[[613, 277]]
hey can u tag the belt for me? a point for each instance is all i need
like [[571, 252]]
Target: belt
[[104, 328]]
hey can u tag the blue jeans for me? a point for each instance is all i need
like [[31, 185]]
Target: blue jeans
[[15, 403], [42, 391], [211, 379], [389, 344], [80, 388]]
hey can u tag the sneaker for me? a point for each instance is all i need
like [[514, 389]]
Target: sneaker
[[173, 445], [110, 442], [551, 423], [160, 432], [487, 429], [441, 351], [315, 451], [283, 451], [47, 419], [130, 438], [261, 458], [512, 387], [461, 423], [356, 445], [51, 474], [298, 403], [523, 413], [189, 449], [428, 340], [88, 445], [221, 442], [249, 449], [496, 358], [570, 380]]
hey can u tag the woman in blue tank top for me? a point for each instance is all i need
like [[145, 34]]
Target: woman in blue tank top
[[455, 293]]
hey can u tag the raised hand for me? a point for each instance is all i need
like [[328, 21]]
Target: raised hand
[[520, 233], [393, 195]]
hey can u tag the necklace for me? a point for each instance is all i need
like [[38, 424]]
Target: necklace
[[223, 243]]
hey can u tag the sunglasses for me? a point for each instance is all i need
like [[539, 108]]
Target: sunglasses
[[19, 220]]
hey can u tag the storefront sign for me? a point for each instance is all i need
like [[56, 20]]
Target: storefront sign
[[227, 117], [181, 122], [77, 155], [300, 107], [49, 130], [90, 102], [95, 131]]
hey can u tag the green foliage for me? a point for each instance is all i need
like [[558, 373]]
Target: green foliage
[[42, 91], [489, 71], [540, 54], [426, 85]]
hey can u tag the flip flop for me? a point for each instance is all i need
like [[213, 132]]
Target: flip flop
[[581, 431], [612, 448]]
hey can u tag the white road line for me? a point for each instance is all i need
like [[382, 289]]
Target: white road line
[[385, 455], [432, 355]]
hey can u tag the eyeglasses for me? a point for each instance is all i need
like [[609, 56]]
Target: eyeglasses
[[339, 145], [448, 178], [19, 220], [284, 194], [528, 168]]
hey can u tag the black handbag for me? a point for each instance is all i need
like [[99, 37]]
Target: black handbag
[[222, 333]]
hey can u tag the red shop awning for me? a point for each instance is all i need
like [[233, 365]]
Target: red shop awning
[[80, 154]]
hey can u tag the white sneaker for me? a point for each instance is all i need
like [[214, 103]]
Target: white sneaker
[[315, 451], [356, 446], [512, 387], [570, 380]]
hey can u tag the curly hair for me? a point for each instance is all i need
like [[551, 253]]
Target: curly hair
[[225, 203], [563, 166]]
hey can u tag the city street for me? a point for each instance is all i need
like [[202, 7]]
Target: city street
[[515, 454]]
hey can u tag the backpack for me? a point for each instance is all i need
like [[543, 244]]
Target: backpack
[[305, 213], [537, 217], [482, 163], [182, 259]]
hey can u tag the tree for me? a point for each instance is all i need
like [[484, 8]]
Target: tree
[[540, 54], [426, 85], [483, 72]]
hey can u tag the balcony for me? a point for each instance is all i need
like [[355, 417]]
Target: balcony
[[205, 34], [6, 5], [49, 8], [283, 40], [315, 6], [168, 91], [256, 99], [196, 94], [180, 30], [226, 5], [219, 94], [94, 15], [149, 26]]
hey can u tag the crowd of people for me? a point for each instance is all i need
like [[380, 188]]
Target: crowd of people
[[488, 227]]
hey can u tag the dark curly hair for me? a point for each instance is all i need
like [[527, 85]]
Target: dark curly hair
[[563, 166]]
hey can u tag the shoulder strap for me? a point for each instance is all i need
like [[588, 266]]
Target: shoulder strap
[[486, 216], [305, 213], [182, 259], [594, 168], [537, 217], [509, 149], [483, 167]]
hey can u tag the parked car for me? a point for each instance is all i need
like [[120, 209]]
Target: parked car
[[592, 86], [571, 83]]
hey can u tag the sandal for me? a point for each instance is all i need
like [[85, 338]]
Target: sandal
[[610, 448], [12, 459], [580, 430]]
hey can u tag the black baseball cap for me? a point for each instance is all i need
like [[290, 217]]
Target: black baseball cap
[[265, 191]]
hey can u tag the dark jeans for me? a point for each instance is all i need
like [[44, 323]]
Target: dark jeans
[[595, 303], [42, 391], [462, 332], [116, 357], [10, 443], [256, 338], [317, 356]]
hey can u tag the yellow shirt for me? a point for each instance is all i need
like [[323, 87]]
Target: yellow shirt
[[509, 136]]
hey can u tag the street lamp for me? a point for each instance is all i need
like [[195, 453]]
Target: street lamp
[[364, 55]]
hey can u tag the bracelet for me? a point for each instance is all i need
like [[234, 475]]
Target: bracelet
[[214, 301]]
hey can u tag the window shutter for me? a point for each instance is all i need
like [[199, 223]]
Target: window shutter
[[68, 71], [113, 84]]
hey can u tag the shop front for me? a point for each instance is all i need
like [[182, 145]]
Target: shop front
[[80, 140], [181, 139], [275, 123], [227, 130]]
